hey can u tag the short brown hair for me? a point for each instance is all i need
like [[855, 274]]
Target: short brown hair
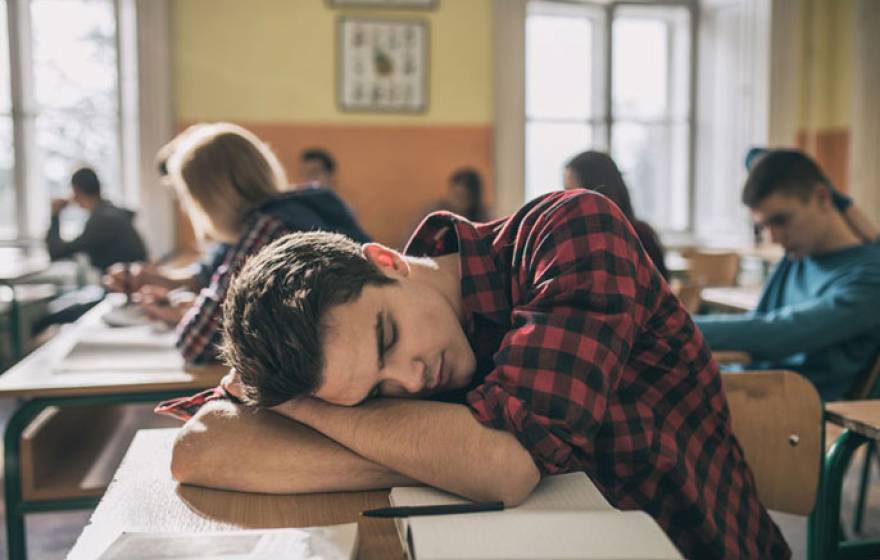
[[787, 172], [274, 311]]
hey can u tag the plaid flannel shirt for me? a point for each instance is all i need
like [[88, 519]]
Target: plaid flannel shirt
[[586, 356], [200, 331]]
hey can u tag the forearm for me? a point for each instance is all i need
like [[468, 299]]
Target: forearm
[[438, 444], [232, 447]]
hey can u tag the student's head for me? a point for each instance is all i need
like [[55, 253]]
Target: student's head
[[85, 186], [166, 151], [598, 172], [466, 193], [220, 172], [317, 166], [788, 195], [315, 313]]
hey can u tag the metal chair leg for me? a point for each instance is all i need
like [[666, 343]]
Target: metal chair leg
[[864, 486]]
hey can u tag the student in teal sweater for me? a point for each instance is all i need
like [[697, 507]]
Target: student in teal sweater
[[820, 310]]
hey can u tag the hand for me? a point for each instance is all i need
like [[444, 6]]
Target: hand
[[58, 205], [129, 278], [162, 304], [231, 383]]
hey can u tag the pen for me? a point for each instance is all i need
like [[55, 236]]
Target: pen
[[434, 510]]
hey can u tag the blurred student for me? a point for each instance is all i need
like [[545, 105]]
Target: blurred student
[[858, 222], [814, 315], [598, 172], [109, 235], [231, 186], [317, 168], [151, 282]]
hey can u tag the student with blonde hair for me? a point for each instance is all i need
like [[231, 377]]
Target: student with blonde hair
[[231, 185]]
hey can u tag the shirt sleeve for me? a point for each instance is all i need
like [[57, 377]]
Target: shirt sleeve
[[835, 316], [87, 240], [200, 331], [571, 337]]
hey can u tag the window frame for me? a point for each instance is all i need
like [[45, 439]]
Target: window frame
[[30, 211], [604, 123]]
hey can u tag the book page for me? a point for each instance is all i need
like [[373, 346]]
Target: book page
[[337, 542], [531, 535], [563, 492]]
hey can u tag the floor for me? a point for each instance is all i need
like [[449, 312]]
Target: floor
[[51, 535]]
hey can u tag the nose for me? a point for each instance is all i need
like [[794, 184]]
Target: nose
[[411, 376], [776, 235]]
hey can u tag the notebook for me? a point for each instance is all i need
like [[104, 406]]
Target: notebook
[[565, 518], [334, 542], [122, 349]]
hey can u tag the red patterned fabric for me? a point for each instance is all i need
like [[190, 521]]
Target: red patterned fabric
[[586, 356]]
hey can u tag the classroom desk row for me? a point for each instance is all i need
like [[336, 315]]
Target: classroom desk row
[[39, 385]]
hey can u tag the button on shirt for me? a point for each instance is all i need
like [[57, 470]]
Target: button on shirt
[[584, 354]]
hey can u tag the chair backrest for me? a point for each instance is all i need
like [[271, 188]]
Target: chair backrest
[[712, 268], [867, 386], [777, 418]]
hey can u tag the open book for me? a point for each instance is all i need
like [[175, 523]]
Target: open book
[[566, 517], [335, 542]]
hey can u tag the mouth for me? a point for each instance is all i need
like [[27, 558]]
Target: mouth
[[441, 374]]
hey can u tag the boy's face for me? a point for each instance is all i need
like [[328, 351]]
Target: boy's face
[[312, 170], [399, 340], [796, 224]]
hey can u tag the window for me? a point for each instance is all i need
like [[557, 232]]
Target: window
[[630, 96], [66, 112]]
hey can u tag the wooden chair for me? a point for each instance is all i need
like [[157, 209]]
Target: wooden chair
[[777, 418], [712, 268]]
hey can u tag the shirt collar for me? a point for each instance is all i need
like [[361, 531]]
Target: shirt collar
[[482, 280]]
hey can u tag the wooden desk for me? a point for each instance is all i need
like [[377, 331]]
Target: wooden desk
[[733, 299], [861, 420], [143, 497], [34, 378]]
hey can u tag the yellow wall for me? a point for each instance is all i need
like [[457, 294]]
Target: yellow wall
[[274, 60], [828, 58], [270, 65], [826, 88]]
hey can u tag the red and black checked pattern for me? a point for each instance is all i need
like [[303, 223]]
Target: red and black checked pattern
[[200, 331], [601, 370]]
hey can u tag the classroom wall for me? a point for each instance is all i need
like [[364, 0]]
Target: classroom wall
[[826, 84], [269, 65]]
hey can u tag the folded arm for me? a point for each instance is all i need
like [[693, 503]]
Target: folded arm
[[822, 321], [233, 447], [439, 444]]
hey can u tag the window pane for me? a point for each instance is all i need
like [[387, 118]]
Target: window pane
[[75, 84], [548, 147], [8, 222], [559, 62], [650, 62], [653, 159]]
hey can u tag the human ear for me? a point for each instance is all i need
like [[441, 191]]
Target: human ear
[[385, 258]]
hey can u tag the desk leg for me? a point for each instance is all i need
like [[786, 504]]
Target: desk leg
[[15, 532], [828, 506], [16, 508]]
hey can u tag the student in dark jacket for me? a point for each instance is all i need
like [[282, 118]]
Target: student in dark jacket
[[231, 186], [598, 172], [109, 236]]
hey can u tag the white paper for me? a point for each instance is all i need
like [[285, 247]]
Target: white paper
[[122, 349], [336, 542]]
